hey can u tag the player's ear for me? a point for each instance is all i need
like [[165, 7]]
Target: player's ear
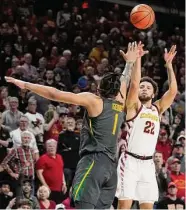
[[153, 95]]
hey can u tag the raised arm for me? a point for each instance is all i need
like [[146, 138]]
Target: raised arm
[[132, 101], [167, 99], [130, 58], [82, 99]]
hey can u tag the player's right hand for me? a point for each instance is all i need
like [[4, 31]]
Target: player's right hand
[[19, 83], [132, 53], [169, 56]]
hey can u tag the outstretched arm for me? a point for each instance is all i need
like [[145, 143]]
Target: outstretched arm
[[130, 58], [82, 99], [167, 99], [132, 98]]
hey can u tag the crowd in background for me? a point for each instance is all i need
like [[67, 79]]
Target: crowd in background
[[71, 50]]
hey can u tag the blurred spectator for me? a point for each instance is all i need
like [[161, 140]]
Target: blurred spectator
[[164, 145], [68, 147], [27, 194], [5, 141], [21, 204], [55, 126], [4, 101], [42, 67], [11, 117], [30, 72], [16, 136], [49, 81], [12, 70], [79, 124], [19, 163], [5, 194], [36, 120], [177, 126], [62, 69], [43, 194], [52, 163], [98, 52], [178, 152], [22, 97], [177, 177], [42, 103], [171, 201], [181, 139], [161, 174]]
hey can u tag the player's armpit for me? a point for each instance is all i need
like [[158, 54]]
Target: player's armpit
[[133, 110]]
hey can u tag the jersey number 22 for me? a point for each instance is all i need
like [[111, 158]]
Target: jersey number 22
[[149, 128]]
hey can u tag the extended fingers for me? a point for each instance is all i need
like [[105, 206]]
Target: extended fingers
[[129, 46], [122, 53], [172, 50]]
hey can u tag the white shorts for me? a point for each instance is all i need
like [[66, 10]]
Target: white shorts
[[136, 180]]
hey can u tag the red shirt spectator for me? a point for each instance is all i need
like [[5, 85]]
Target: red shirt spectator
[[54, 131], [52, 171], [52, 205], [177, 177], [43, 194], [179, 180], [164, 146]]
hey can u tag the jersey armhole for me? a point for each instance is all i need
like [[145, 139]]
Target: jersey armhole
[[137, 113], [103, 106], [157, 110]]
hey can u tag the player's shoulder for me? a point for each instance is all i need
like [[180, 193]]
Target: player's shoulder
[[89, 94], [91, 98]]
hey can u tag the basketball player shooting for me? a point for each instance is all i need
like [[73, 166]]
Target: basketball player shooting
[[95, 181], [136, 170]]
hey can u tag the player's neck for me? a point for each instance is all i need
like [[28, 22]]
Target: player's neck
[[147, 104]]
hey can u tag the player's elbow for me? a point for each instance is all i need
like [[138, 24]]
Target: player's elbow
[[173, 91], [54, 94], [134, 85]]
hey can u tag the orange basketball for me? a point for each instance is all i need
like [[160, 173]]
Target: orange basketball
[[142, 16]]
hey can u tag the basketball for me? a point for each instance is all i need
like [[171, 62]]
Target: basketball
[[142, 16]]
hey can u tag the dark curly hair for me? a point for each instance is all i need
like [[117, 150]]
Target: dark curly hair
[[110, 85], [152, 82]]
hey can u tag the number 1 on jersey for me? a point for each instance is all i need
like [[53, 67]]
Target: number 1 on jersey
[[115, 124]]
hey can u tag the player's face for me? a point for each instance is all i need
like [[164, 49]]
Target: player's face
[[146, 91]]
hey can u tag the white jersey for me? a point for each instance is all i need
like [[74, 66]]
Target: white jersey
[[143, 131]]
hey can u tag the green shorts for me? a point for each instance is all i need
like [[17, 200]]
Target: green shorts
[[95, 180]]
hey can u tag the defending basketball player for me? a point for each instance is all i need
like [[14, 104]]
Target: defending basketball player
[[95, 180], [136, 170]]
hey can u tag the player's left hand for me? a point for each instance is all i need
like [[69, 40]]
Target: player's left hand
[[169, 56], [17, 82], [141, 51]]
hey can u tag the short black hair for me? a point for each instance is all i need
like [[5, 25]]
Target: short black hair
[[152, 82], [110, 85]]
